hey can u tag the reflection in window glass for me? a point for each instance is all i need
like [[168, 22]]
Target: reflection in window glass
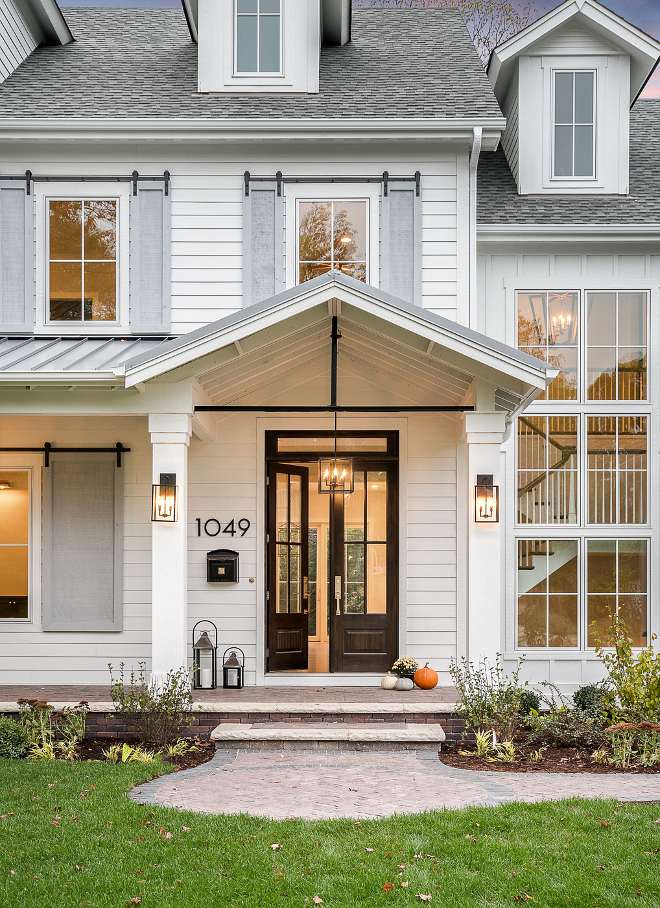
[[547, 593], [616, 462], [344, 444], [616, 346], [548, 329], [574, 124], [617, 584], [258, 36], [82, 244], [14, 551], [332, 235], [365, 547], [547, 469]]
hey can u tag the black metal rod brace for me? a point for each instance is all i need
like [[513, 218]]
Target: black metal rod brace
[[48, 449], [385, 179], [31, 178], [333, 363], [230, 408]]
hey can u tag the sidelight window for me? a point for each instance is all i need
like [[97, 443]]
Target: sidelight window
[[365, 545], [14, 545]]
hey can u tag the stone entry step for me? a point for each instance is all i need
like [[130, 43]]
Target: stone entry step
[[328, 736]]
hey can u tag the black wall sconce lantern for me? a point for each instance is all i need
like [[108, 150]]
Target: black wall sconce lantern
[[205, 658], [486, 499], [164, 499], [232, 669]]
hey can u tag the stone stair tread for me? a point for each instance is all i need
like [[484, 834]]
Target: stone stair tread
[[328, 731]]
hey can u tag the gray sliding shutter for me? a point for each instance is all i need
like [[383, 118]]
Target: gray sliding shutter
[[82, 581], [16, 257], [151, 272], [401, 242], [263, 243]]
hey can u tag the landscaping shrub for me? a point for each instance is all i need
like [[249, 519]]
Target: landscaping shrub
[[13, 738], [634, 695], [529, 700], [561, 726], [42, 726], [591, 697], [156, 712], [489, 698]]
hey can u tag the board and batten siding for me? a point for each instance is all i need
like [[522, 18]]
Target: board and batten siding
[[207, 216], [29, 655], [16, 40], [501, 274]]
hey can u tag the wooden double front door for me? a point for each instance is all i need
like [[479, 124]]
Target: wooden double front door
[[353, 575]]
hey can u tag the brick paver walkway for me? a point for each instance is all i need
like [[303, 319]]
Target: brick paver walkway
[[320, 785]]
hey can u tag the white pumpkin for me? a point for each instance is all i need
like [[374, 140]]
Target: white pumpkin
[[404, 684], [389, 681]]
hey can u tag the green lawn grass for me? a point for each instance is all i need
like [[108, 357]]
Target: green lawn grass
[[71, 837]]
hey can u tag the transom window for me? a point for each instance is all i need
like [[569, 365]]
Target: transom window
[[82, 260], [258, 36], [332, 235], [574, 104]]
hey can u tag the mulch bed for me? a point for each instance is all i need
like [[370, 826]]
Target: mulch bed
[[92, 749], [555, 759]]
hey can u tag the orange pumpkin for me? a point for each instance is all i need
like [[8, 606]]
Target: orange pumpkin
[[426, 678]]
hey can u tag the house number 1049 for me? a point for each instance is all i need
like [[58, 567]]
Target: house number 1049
[[213, 527]]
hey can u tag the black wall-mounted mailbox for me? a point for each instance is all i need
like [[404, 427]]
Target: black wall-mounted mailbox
[[222, 566]]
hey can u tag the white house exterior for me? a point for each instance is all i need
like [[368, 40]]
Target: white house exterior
[[197, 208]]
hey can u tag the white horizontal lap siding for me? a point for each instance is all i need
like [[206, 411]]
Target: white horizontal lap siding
[[439, 239], [29, 655], [222, 485], [431, 542], [16, 39], [510, 136]]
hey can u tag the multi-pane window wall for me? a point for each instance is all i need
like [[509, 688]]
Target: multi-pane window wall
[[582, 465]]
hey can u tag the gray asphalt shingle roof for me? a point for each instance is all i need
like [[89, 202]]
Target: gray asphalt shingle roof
[[142, 63], [499, 203]]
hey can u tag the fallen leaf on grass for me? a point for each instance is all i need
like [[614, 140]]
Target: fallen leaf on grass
[[404, 884], [276, 847], [369, 849], [603, 823], [78, 867], [523, 898], [317, 900], [186, 828], [657, 821], [388, 886], [54, 823], [424, 898], [513, 873]]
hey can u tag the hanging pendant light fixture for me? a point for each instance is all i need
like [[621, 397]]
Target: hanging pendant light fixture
[[336, 474]]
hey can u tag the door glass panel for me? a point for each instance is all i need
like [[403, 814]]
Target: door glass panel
[[294, 580], [377, 506], [376, 579], [14, 557], [282, 578], [354, 568], [354, 510], [312, 585], [295, 514], [282, 506]]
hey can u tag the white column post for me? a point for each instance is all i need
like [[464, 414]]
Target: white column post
[[482, 435], [170, 439]]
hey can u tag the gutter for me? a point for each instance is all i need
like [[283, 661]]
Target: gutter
[[475, 151]]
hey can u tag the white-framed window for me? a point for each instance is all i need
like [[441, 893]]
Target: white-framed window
[[82, 247], [332, 234], [19, 537], [564, 585], [258, 37], [574, 124]]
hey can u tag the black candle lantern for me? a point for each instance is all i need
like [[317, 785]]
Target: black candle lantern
[[204, 658], [232, 669]]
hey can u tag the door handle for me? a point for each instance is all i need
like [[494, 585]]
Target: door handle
[[338, 593], [305, 587]]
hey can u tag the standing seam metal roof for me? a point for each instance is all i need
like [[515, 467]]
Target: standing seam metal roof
[[143, 63]]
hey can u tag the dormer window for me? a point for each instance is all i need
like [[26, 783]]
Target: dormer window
[[258, 36], [574, 106]]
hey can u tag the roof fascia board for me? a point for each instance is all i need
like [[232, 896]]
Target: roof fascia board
[[594, 16], [47, 21], [190, 10], [146, 129], [61, 378], [460, 340], [510, 233]]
